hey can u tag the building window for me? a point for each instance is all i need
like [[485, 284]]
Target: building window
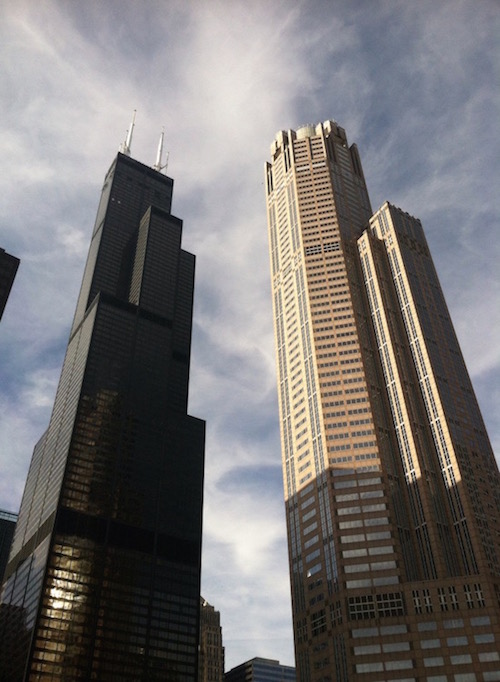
[[318, 622], [361, 608], [433, 661]]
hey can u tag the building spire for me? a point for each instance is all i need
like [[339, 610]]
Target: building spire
[[159, 153], [125, 146], [158, 166]]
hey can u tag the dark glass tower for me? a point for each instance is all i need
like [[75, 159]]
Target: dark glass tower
[[7, 526], [103, 580], [8, 270]]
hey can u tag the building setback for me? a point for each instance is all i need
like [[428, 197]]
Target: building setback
[[8, 270], [392, 490], [104, 573]]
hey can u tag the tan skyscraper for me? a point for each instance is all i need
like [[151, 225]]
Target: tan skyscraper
[[211, 650], [392, 491]]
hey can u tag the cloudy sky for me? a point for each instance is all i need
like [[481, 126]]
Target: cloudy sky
[[415, 86]]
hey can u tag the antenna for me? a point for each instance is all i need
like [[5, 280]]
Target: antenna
[[158, 166], [125, 146], [159, 153]]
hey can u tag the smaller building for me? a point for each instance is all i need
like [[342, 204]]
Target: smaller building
[[261, 670], [211, 652], [8, 269], [7, 525]]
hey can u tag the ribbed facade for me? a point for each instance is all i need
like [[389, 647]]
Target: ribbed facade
[[104, 572], [392, 491], [7, 526], [211, 651]]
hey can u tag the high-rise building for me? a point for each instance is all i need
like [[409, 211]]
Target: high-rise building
[[261, 670], [105, 562], [8, 270], [211, 651], [7, 526], [392, 491]]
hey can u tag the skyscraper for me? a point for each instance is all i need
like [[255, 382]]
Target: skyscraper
[[8, 270], [392, 491], [105, 562], [7, 526], [211, 651]]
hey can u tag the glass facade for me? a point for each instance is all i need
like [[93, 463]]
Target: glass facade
[[8, 270], [104, 574], [261, 670], [7, 525], [392, 491]]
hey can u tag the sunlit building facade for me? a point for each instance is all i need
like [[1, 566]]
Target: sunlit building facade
[[392, 490], [211, 650], [103, 580]]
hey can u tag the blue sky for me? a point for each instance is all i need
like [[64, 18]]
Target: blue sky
[[415, 86]]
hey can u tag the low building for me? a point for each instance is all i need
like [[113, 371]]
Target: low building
[[261, 670]]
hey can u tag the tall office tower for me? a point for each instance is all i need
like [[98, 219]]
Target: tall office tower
[[7, 526], [211, 651], [105, 562], [392, 491], [261, 670], [8, 269]]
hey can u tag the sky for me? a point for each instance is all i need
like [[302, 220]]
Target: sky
[[415, 85]]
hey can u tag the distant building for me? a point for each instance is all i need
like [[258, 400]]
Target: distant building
[[8, 269], [7, 525], [261, 670], [211, 654]]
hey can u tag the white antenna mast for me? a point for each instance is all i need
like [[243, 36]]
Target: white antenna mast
[[125, 146], [158, 166]]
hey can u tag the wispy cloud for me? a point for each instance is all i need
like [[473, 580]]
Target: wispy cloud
[[411, 83]]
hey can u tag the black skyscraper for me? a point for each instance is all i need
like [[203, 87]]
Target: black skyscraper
[[104, 572], [8, 269], [7, 526]]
